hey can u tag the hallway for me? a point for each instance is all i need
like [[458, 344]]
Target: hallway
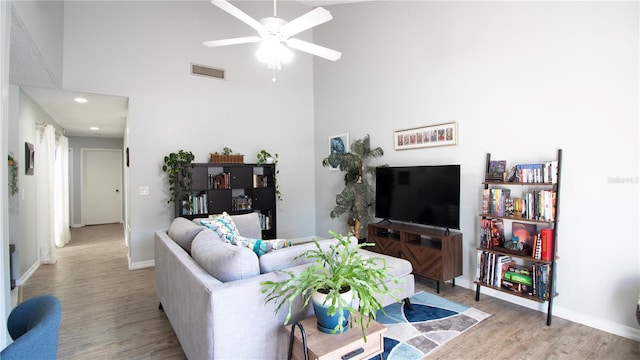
[[108, 311]]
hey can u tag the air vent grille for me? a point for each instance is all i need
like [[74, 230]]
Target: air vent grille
[[207, 71]]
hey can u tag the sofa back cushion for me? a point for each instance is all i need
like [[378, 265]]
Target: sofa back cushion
[[248, 225], [183, 231], [222, 260], [284, 258]]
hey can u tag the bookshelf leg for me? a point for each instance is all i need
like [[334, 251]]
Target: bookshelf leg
[[549, 316], [477, 292], [453, 282], [437, 286]]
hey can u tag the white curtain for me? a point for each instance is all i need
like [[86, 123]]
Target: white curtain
[[61, 194], [44, 165]]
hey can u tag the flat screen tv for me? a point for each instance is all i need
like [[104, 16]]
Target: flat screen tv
[[426, 195]]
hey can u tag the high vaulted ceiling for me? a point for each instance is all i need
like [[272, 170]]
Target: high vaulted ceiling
[[108, 113]]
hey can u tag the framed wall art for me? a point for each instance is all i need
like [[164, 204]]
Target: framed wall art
[[29, 158], [426, 136], [338, 144]]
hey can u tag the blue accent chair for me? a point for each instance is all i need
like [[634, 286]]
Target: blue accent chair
[[34, 326]]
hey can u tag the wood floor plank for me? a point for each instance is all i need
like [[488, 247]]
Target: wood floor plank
[[110, 312]]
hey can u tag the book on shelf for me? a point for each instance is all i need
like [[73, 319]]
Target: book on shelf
[[491, 233], [503, 264], [497, 166], [494, 201], [525, 233], [545, 172], [546, 239], [260, 181]]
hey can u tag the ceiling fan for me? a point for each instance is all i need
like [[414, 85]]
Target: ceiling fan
[[276, 35]]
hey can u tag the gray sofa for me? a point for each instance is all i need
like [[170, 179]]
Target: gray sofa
[[210, 290]]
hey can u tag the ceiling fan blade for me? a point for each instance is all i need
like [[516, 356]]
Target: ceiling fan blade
[[241, 15], [234, 41], [313, 18], [314, 49]]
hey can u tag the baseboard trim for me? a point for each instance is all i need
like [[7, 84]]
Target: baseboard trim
[[141, 264], [559, 311], [23, 279]]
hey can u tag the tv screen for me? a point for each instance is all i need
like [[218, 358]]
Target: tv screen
[[427, 195]]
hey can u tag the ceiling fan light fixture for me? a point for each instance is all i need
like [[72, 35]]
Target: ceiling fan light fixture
[[273, 53]]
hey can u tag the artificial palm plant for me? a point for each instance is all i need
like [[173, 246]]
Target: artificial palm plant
[[357, 196]]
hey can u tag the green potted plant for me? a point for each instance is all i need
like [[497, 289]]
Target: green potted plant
[[357, 196], [178, 167], [13, 175], [265, 157], [331, 281]]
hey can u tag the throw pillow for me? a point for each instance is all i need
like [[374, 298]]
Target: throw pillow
[[223, 225], [259, 246]]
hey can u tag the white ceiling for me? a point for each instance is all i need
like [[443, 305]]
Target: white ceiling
[[106, 112]]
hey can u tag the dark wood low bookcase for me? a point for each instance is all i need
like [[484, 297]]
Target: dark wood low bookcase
[[433, 253]]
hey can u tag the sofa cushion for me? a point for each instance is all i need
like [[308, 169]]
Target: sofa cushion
[[222, 260], [248, 225], [223, 225], [284, 258], [182, 231]]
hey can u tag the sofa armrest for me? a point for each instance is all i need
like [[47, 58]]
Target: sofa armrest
[[257, 330], [184, 290]]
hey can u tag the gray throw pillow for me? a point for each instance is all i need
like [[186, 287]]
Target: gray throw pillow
[[183, 231]]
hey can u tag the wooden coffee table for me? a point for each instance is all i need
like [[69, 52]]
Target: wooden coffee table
[[348, 345]]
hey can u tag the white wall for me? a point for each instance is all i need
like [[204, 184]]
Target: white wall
[[142, 50], [44, 20], [28, 114], [522, 79], [5, 298]]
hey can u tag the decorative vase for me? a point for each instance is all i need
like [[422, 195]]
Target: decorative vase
[[326, 322]]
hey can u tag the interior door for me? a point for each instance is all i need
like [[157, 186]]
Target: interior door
[[101, 186]]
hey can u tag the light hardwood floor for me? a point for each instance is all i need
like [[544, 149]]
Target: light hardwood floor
[[110, 312]]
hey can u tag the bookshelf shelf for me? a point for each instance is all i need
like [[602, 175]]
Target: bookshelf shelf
[[236, 188], [524, 263]]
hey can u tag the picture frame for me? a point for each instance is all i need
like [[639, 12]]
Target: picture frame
[[29, 158], [338, 144], [426, 136]]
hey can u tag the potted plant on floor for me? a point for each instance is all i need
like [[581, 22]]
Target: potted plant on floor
[[357, 196], [178, 167], [333, 279]]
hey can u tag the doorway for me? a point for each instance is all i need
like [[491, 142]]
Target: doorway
[[101, 182]]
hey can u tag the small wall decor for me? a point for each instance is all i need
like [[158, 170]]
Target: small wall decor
[[426, 136], [29, 158], [338, 144]]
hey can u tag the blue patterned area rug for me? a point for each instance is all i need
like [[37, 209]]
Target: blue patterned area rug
[[412, 334]]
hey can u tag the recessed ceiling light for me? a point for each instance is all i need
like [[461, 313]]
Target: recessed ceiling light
[[80, 100], [94, 128]]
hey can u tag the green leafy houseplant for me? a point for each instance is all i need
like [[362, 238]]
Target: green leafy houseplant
[[357, 196], [265, 157], [13, 175], [178, 167], [332, 272]]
